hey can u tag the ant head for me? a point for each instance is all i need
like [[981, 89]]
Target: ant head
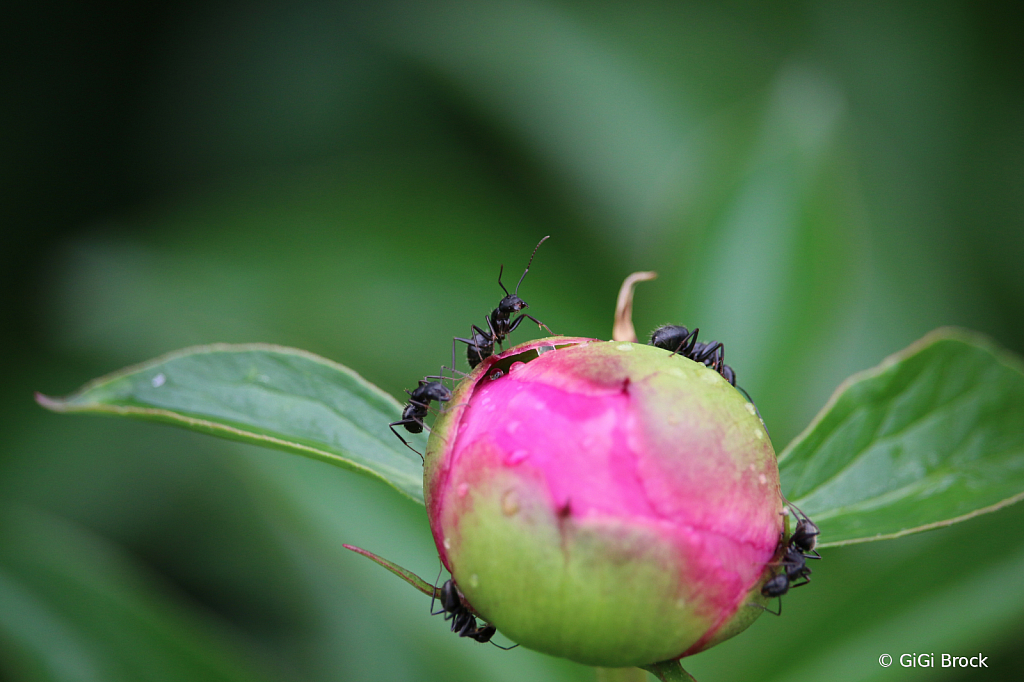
[[668, 335], [485, 633], [512, 304], [806, 535]]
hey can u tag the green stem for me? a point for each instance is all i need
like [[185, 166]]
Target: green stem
[[670, 671], [621, 675]]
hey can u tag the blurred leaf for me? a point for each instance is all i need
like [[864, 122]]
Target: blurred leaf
[[958, 618], [73, 609], [780, 267], [628, 162], [930, 437], [273, 396]]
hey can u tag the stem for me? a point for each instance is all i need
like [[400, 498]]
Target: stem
[[621, 675], [670, 671]]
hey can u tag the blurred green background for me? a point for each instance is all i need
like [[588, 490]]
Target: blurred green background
[[818, 184]]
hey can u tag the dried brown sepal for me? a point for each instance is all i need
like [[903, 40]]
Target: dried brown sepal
[[623, 329]]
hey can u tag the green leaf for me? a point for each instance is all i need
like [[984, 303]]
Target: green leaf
[[932, 436], [77, 610], [268, 395]]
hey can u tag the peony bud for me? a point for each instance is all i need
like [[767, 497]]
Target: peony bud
[[606, 502]]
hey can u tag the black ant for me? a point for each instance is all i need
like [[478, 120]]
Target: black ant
[[805, 535], [499, 323], [419, 404], [799, 549], [682, 341], [454, 608]]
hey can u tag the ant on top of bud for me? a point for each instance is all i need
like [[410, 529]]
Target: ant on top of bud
[[682, 341], [499, 323]]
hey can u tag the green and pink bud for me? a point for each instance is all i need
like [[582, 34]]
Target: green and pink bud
[[607, 502]]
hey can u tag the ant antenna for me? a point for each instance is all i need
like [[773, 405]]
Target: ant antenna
[[501, 270], [527, 265], [433, 595]]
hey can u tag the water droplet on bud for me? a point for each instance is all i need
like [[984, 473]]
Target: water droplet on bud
[[516, 457]]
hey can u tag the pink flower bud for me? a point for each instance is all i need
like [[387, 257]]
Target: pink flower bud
[[606, 502]]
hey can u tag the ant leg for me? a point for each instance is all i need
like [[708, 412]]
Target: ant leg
[[765, 608], [442, 377], [687, 344], [433, 595], [463, 623], [454, 371], [495, 336], [501, 270], [452, 368], [453, 360], [403, 422], [518, 320], [806, 579], [717, 359], [708, 353], [472, 343], [490, 336], [503, 648], [465, 341]]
